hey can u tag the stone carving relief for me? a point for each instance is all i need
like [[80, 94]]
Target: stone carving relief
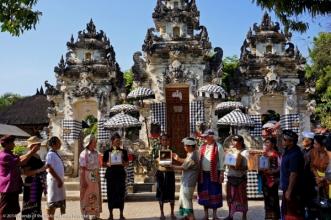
[[290, 94], [103, 94], [176, 73], [272, 82], [256, 94], [85, 87], [50, 89], [139, 67]]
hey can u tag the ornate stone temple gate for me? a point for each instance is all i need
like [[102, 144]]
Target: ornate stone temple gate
[[272, 75], [89, 82], [178, 59]]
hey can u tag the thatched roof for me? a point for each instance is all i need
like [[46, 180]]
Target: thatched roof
[[30, 110]]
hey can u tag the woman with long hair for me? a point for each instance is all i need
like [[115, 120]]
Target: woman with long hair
[[270, 179]]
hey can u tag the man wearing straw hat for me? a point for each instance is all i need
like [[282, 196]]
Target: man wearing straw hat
[[10, 177]]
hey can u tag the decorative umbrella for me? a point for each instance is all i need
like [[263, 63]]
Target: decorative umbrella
[[226, 107], [123, 121], [125, 108], [141, 93], [212, 92], [236, 119]]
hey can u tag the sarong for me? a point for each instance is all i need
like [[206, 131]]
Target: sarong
[[271, 201], [165, 189], [209, 193], [9, 205], [90, 202], [293, 209], [185, 200], [236, 195]]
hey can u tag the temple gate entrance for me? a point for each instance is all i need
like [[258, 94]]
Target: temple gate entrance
[[178, 113]]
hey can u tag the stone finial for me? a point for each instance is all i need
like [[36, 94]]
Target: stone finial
[[72, 40], [90, 27]]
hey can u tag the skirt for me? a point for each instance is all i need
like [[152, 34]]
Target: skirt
[[115, 178], [209, 193], [32, 193], [271, 201], [236, 196], [90, 197], [165, 189], [185, 200], [9, 205]]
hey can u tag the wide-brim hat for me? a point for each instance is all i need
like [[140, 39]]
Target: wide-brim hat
[[33, 140], [87, 140], [7, 139]]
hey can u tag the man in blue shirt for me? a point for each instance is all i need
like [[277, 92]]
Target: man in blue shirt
[[291, 174]]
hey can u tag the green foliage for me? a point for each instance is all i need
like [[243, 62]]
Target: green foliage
[[288, 11], [128, 78], [16, 16], [320, 72], [93, 125], [8, 99], [19, 150], [230, 70]]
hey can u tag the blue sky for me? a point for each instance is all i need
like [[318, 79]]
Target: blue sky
[[27, 61]]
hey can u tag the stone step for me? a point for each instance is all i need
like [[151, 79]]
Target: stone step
[[72, 186]]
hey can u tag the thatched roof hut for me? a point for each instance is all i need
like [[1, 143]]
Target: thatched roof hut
[[29, 114]]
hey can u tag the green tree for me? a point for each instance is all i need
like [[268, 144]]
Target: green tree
[[92, 123], [230, 72], [8, 99], [128, 78], [320, 71], [16, 16], [288, 11]]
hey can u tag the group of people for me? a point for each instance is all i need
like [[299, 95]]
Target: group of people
[[203, 166], [40, 177], [303, 174]]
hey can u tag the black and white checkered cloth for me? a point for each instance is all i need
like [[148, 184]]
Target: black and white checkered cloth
[[253, 190], [236, 118], [71, 129], [197, 114], [257, 130], [291, 122], [103, 183], [158, 115], [122, 120], [212, 91], [140, 93], [103, 134]]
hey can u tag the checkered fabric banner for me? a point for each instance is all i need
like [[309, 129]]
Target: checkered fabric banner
[[158, 115], [103, 183], [257, 130], [290, 121], [197, 114], [103, 134], [129, 174], [253, 190], [71, 129]]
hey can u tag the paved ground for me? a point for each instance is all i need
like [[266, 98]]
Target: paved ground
[[149, 210]]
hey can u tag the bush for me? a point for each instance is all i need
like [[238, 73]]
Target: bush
[[19, 150]]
